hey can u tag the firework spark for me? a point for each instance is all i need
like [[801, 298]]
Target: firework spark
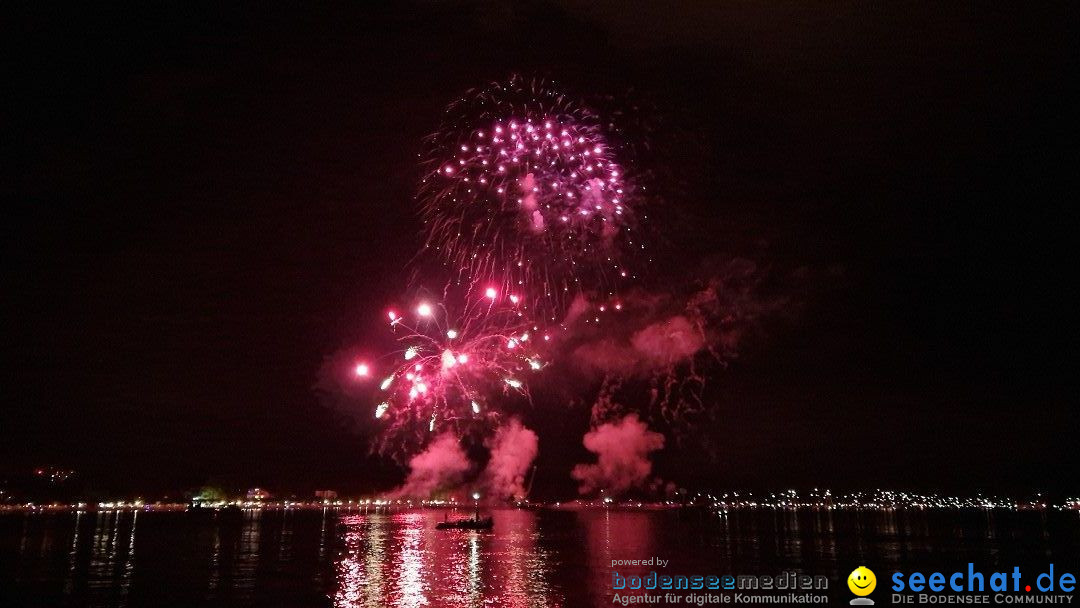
[[522, 190], [450, 369]]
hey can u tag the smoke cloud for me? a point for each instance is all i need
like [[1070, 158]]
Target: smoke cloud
[[657, 331], [622, 448], [513, 449], [441, 466], [657, 345]]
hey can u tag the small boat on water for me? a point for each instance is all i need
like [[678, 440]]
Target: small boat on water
[[474, 523]]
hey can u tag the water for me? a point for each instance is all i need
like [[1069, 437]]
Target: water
[[533, 558]]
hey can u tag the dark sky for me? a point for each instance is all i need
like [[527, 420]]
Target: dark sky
[[204, 205]]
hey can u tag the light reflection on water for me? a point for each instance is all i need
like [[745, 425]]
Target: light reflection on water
[[373, 558], [247, 559], [400, 559]]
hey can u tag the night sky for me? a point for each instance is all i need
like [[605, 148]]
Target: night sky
[[203, 207]]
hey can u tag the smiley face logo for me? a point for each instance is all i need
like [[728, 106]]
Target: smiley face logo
[[862, 581]]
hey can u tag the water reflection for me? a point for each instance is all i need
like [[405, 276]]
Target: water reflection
[[73, 553], [247, 557], [402, 560], [525, 567], [285, 546], [360, 580], [129, 562], [103, 551], [369, 558], [614, 535], [215, 563]]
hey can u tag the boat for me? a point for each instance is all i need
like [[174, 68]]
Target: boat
[[474, 523]]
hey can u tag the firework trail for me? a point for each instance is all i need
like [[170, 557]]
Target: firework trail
[[522, 190], [453, 371]]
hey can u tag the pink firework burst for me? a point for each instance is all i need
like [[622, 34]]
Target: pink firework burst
[[522, 189], [450, 370]]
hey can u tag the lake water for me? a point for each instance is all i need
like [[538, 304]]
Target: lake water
[[532, 558]]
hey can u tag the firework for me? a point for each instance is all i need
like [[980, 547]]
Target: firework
[[450, 369], [528, 216], [522, 190]]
